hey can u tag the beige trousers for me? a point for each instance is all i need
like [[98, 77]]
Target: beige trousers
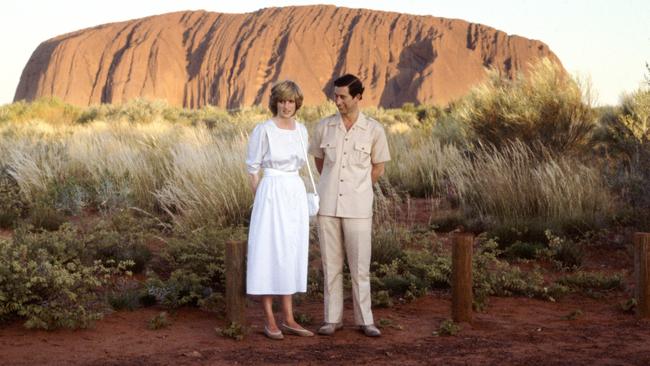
[[353, 236]]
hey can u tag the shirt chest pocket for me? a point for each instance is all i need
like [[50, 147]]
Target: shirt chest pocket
[[329, 150], [361, 154]]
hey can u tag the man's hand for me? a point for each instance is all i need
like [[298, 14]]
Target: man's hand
[[319, 164], [377, 171]]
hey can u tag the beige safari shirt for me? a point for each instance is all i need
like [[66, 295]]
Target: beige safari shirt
[[345, 185]]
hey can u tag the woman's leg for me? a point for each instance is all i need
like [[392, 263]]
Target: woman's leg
[[287, 312], [267, 302]]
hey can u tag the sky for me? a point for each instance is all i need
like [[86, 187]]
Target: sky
[[605, 43]]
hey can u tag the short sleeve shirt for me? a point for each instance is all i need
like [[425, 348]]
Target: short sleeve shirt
[[345, 185]]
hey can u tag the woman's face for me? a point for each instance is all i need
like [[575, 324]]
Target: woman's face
[[286, 108]]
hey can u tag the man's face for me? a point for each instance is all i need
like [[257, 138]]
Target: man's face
[[344, 101]]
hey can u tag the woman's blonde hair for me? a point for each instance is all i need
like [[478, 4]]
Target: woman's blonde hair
[[285, 90]]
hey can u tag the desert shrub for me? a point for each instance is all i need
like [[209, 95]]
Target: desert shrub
[[449, 130], [312, 114], [591, 283], [181, 288], [126, 295], [623, 140], [52, 110], [43, 216], [121, 237], [544, 108], [381, 299], [396, 279], [195, 263], [495, 277], [12, 204], [411, 275], [564, 252], [428, 114], [51, 206], [50, 280], [524, 250], [416, 271]]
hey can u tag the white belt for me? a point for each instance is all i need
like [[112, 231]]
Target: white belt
[[268, 172]]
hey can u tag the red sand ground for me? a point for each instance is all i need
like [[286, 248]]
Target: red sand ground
[[512, 331]]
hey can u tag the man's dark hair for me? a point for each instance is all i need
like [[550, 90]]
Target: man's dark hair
[[352, 82]]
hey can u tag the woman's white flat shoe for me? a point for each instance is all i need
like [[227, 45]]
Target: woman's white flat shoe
[[273, 335], [296, 331]]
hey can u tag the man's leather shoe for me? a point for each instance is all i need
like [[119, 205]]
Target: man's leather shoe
[[329, 328], [370, 330]]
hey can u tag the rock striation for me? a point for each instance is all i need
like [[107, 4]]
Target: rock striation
[[198, 58]]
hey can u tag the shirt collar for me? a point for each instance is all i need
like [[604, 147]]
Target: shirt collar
[[362, 121]]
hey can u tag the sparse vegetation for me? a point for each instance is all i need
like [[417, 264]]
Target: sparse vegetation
[[448, 328], [526, 160], [159, 321], [235, 331]]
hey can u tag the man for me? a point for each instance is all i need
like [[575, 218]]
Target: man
[[350, 150]]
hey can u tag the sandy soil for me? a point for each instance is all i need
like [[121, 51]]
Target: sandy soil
[[512, 331]]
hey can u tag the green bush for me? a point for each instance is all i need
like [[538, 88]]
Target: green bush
[[52, 110], [544, 108], [126, 295], [495, 277], [12, 205], [524, 250], [50, 279], [45, 217], [565, 253], [119, 238], [195, 264], [592, 282], [623, 140]]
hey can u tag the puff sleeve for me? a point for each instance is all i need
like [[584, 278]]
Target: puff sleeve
[[257, 148]]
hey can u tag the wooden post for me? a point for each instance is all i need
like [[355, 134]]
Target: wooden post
[[642, 273], [236, 281], [461, 277]]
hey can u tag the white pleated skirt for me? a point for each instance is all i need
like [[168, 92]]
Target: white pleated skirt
[[278, 237]]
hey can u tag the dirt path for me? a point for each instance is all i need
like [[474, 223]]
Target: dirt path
[[512, 331]]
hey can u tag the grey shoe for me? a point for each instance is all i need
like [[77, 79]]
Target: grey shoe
[[329, 328], [370, 330]]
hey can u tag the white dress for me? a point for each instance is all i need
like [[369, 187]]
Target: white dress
[[278, 236]]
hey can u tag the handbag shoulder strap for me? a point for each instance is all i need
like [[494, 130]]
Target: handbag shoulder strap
[[304, 149]]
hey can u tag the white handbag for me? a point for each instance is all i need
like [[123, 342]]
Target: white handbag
[[313, 201]]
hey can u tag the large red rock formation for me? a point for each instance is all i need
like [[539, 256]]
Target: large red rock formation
[[196, 58]]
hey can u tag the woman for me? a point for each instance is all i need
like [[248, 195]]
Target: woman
[[278, 237]]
